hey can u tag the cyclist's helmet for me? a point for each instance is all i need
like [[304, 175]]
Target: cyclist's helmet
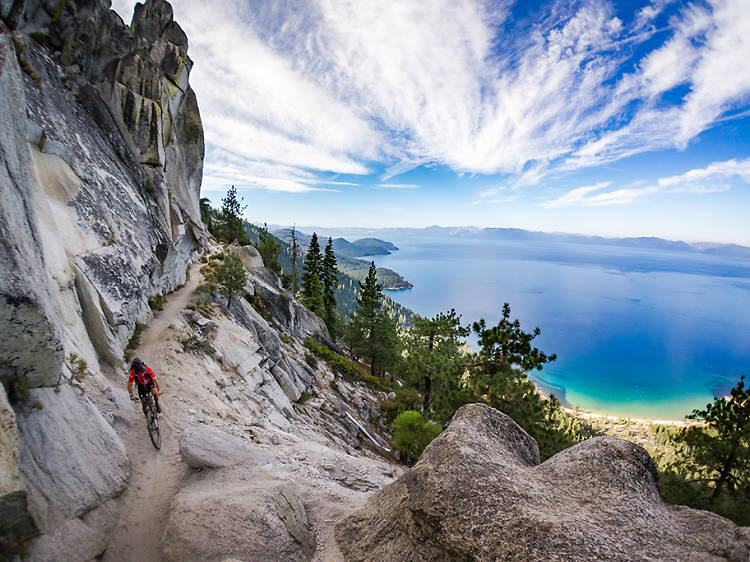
[[137, 366]]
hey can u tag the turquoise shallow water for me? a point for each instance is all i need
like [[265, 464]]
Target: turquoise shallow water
[[640, 333]]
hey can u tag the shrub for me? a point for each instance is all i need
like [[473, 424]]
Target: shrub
[[198, 345], [346, 367], [17, 387], [148, 185], [134, 341], [39, 37], [157, 302], [406, 399], [412, 433], [78, 367]]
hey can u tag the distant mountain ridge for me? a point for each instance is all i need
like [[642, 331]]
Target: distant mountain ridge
[[343, 247], [645, 242]]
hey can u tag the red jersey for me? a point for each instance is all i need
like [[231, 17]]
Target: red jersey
[[142, 378]]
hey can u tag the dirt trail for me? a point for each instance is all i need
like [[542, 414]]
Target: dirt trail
[[155, 474]]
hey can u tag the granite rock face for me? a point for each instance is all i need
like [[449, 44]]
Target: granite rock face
[[101, 156], [479, 493]]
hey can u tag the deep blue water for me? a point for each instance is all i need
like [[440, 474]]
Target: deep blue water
[[637, 332]]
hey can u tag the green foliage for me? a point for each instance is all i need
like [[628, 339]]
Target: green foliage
[[231, 227], [134, 341], [58, 10], [156, 302], [330, 280], [29, 70], [405, 399], [17, 387], [312, 289], [148, 185], [198, 345], [230, 277], [435, 362], [40, 37], [499, 378], [269, 247], [313, 298], [304, 397], [206, 213], [712, 469], [78, 367], [203, 298], [412, 433], [372, 334], [346, 367]]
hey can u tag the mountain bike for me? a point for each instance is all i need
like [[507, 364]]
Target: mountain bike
[[152, 419]]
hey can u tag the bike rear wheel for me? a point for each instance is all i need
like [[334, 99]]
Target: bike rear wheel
[[152, 424]]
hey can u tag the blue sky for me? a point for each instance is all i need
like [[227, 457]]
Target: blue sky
[[611, 118]]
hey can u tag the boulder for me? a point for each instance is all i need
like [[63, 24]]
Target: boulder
[[214, 518], [479, 493], [71, 460], [206, 446], [249, 256]]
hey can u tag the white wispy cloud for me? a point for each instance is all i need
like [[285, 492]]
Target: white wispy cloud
[[398, 186], [714, 178], [334, 86]]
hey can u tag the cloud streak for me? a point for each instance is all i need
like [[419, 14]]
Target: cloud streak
[[713, 178], [306, 90]]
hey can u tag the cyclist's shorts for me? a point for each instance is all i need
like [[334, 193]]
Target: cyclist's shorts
[[144, 389]]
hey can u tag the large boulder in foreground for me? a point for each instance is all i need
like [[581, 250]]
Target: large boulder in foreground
[[479, 493], [221, 514]]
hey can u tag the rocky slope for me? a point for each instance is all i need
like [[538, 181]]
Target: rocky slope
[[479, 493]]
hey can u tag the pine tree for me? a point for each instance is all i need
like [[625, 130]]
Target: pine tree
[[206, 212], [498, 377], [435, 362], [269, 248], [315, 301], [373, 334], [330, 280], [231, 277], [312, 289], [294, 248], [233, 226], [720, 450]]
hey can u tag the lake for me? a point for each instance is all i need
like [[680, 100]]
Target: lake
[[637, 332]]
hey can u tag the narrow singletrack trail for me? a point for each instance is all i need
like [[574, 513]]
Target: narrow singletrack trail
[[155, 474]]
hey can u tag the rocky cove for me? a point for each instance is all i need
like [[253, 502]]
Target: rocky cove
[[264, 457]]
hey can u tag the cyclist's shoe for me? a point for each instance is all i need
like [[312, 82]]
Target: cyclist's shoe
[[158, 408]]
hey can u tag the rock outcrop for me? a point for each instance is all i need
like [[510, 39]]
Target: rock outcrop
[[101, 156], [479, 493], [206, 446]]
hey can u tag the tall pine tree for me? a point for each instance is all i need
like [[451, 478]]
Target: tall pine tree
[[232, 224], [312, 289], [330, 278], [435, 362], [373, 334]]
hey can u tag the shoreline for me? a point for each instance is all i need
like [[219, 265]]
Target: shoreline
[[588, 416]]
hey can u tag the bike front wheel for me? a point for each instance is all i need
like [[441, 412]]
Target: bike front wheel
[[153, 428]]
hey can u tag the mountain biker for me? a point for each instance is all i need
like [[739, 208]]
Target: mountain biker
[[146, 381]]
